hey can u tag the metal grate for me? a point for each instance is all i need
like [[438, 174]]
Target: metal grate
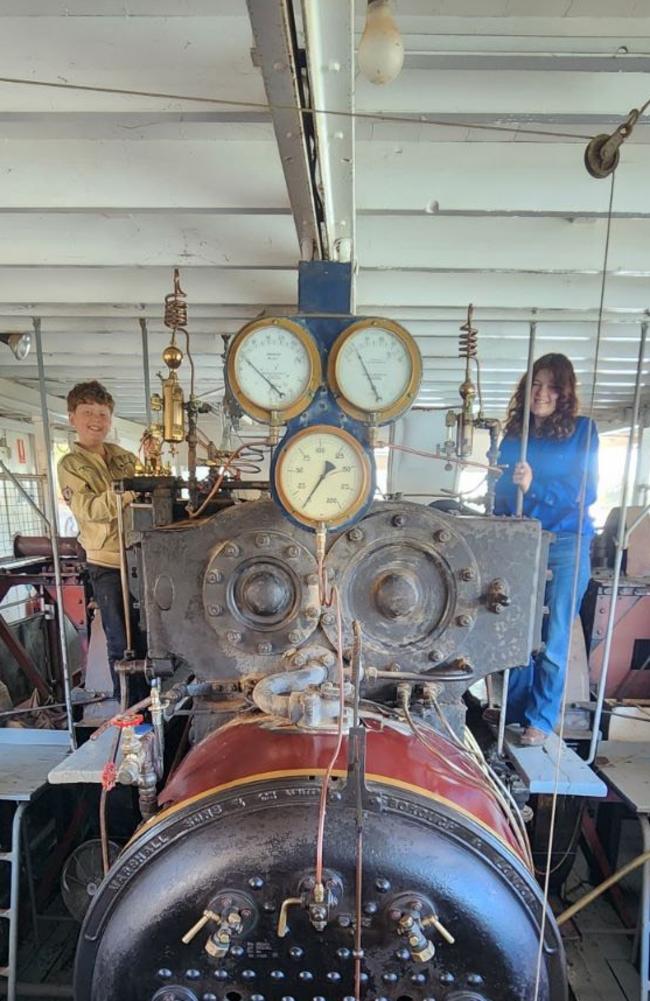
[[16, 515]]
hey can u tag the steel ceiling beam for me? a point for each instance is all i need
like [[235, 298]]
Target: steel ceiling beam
[[277, 55], [329, 45]]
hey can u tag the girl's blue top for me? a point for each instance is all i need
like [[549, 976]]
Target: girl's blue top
[[558, 467]]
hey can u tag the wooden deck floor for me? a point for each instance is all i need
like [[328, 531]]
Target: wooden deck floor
[[598, 946]]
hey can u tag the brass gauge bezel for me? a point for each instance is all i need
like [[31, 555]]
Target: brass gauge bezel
[[363, 496], [282, 414], [405, 400]]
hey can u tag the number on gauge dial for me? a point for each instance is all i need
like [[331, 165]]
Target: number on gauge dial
[[323, 475]]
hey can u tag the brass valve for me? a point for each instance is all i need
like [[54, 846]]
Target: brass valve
[[412, 917], [422, 949], [219, 942], [201, 923]]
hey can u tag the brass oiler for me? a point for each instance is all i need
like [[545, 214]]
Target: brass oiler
[[173, 402]]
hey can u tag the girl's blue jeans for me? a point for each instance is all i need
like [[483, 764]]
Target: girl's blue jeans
[[535, 691]]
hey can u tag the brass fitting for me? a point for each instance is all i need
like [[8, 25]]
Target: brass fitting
[[201, 923], [434, 922], [283, 925]]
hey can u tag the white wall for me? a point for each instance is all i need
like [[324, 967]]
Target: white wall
[[420, 479]]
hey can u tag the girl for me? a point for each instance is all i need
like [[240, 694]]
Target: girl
[[559, 480]]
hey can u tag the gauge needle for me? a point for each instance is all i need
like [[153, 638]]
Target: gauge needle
[[368, 376], [271, 384], [327, 468]]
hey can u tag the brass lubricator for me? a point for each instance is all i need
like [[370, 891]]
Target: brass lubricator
[[170, 406], [173, 402]]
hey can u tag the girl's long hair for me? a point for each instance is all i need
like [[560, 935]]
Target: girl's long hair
[[562, 422]]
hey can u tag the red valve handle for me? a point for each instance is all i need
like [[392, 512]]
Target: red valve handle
[[123, 722]]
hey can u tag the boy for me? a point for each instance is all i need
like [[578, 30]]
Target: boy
[[86, 475]]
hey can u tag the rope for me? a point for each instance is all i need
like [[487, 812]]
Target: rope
[[574, 594]]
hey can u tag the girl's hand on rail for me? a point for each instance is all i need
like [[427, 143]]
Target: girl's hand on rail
[[522, 476]]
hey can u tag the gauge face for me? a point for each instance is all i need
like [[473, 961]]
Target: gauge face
[[323, 475], [375, 369], [273, 367]]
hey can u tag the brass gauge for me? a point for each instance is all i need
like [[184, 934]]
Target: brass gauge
[[375, 370], [273, 369], [323, 476]]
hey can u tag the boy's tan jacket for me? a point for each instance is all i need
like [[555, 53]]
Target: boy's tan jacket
[[86, 482]]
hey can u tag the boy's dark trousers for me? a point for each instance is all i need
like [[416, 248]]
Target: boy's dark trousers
[[107, 591]]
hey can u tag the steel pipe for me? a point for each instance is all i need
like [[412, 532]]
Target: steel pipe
[[620, 546], [523, 453], [58, 582], [145, 368]]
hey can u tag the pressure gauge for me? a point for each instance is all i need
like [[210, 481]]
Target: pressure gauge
[[273, 369], [323, 476], [375, 370]]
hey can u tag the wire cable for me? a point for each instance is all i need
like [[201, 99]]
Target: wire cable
[[574, 593], [374, 116]]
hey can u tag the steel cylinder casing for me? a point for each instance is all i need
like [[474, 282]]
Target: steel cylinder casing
[[240, 826]]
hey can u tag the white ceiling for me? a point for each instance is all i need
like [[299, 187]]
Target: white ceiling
[[101, 195]]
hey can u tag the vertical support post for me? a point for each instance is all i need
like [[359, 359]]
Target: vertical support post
[[145, 367], [124, 578], [620, 547], [14, 901], [644, 919], [642, 481], [54, 533], [40, 458], [523, 452]]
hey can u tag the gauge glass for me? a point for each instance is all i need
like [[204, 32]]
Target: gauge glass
[[374, 368], [323, 475], [273, 367]]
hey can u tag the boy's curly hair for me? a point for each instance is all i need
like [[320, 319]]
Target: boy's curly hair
[[89, 392]]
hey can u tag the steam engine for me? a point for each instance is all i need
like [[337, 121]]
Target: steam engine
[[330, 834], [424, 882]]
